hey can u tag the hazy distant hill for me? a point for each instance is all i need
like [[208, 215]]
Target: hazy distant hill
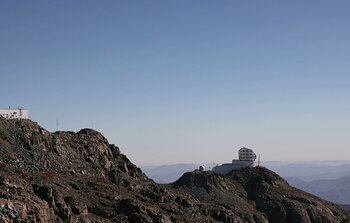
[[337, 190], [313, 170], [346, 207], [168, 173], [327, 179]]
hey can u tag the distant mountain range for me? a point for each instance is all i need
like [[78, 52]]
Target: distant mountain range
[[168, 173], [327, 179], [309, 171], [337, 190], [346, 207]]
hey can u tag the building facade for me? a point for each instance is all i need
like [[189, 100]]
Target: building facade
[[14, 113], [246, 154]]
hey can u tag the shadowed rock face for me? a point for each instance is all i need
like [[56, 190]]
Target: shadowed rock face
[[80, 177]]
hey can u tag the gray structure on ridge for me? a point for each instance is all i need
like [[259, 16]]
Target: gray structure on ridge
[[247, 158]]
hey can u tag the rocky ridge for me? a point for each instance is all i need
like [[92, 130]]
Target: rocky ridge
[[80, 177]]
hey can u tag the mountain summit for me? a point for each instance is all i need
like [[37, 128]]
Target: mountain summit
[[80, 177]]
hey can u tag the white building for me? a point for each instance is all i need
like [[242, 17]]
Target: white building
[[14, 113], [246, 154], [246, 158]]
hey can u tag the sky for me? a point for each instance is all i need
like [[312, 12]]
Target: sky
[[186, 81]]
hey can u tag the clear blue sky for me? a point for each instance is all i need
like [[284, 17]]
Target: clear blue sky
[[185, 81]]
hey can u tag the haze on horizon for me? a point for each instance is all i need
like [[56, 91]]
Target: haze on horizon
[[185, 81]]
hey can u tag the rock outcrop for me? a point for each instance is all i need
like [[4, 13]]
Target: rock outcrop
[[260, 191], [80, 177]]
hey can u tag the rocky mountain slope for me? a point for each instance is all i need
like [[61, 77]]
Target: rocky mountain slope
[[80, 177], [258, 189]]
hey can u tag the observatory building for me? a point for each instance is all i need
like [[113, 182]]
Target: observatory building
[[14, 113], [246, 158]]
